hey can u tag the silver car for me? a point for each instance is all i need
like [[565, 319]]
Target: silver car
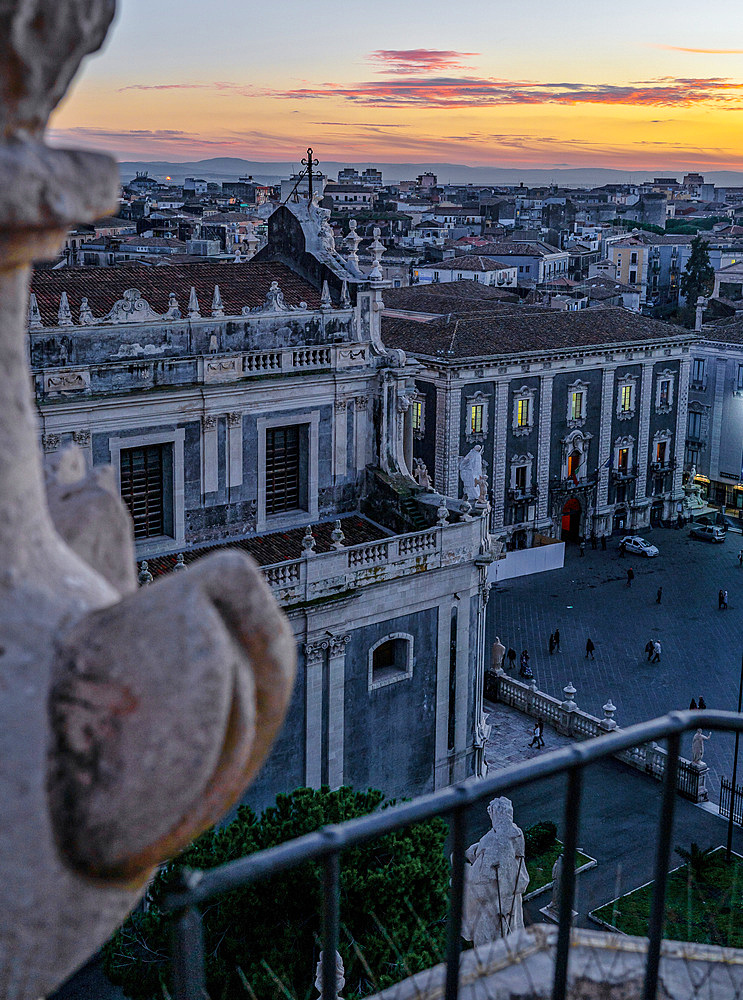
[[638, 546], [708, 532]]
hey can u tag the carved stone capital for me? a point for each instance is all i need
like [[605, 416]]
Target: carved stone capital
[[362, 402], [50, 442], [81, 437], [234, 419], [314, 652], [338, 645], [209, 422], [340, 405]]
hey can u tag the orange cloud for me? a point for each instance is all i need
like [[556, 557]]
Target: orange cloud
[[419, 60], [451, 92], [711, 52]]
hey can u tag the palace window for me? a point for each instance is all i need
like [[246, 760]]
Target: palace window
[[390, 660], [574, 463], [476, 426], [418, 416], [523, 413], [577, 404], [476, 415], [523, 410], [739, 384], [285, 489], [661, 452], [664, 391], [519, 477], [695, 425], [622, 459], [146, 488], [698, 371]]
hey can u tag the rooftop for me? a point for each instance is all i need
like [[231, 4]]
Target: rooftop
[[469, 262]]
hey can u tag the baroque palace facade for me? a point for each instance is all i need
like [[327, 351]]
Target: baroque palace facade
[[254, 404]]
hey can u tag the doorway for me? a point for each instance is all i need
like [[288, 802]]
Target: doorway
[[571, 520]]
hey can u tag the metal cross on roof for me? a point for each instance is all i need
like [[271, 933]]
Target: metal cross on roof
[[309, 163]]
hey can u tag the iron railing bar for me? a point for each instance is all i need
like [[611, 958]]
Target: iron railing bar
[[188, 956], [314, 846], [662, 861], [567, 882], [456, 898], [331, 918]]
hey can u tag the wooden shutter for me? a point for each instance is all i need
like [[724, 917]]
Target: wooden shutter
[[142, 488], [282, 469]]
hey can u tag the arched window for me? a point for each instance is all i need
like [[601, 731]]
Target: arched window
[[391, 659]]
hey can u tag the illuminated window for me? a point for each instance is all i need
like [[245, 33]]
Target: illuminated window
[[576, 405], [523, 412], [574, 464], [417, 415], [627, 401], [476, 415], [622, 459], [660, 452]]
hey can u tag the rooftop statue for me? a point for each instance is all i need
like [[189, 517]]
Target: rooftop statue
[[130, 719]]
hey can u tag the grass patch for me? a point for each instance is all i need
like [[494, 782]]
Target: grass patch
[[540, 866], [704, 906]]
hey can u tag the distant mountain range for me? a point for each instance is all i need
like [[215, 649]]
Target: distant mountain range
[[225, 168]]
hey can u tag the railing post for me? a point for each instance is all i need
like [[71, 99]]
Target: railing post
[[331, 906], [567, 883], [456, 899], [189, 982]]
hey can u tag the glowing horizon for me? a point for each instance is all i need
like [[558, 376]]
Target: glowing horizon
[[566, 90]]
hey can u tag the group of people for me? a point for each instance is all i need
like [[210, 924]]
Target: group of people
[[699, 703], [537, 739], [652, 648], [722, 600], [594, 543], [524, 668], [554, 643]]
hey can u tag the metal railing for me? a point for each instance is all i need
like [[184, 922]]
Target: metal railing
[[327, 845]]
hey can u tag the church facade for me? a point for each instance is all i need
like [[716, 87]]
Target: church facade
[[255, 404]]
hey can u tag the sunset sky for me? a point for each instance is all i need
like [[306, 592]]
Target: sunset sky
[[544, 83]]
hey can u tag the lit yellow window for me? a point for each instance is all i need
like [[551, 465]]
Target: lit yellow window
[[476, 418], [417, 414], [660, 453], [576, 406], [626, 399], [623, 459], [522, 413]]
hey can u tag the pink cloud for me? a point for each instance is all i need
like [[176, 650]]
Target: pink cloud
[[419, 60]]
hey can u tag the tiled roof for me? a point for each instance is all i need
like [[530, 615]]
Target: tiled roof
[[520, 329], [512, 248], [445, 297], [152, 241], [279, 546], [469, 262], [239, 285]]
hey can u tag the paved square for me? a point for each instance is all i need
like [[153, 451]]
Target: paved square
[[589, 597]]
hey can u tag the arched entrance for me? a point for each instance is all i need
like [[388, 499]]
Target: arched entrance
[[571, 520], [656, 513], [619, 522]]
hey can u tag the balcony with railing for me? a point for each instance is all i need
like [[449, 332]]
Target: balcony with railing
[[531, 963], [624, 474]]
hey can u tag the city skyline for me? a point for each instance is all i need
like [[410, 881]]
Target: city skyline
[[569, 89]]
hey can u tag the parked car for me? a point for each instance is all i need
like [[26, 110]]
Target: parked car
[[715, 519], [637, 545], [708, 532]]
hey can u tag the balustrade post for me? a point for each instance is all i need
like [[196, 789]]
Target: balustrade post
[[569, 707]]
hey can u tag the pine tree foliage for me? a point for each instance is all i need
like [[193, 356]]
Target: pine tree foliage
[[699, 275]]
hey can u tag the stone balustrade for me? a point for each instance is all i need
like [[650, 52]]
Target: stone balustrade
[[320, 574], [568, 719]]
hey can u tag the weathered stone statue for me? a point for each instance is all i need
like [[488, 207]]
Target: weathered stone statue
[[421, 474], [697, 746], [470, 472], [556, 885], [498, 651], [130, 720], [495, 879], [340, 981]]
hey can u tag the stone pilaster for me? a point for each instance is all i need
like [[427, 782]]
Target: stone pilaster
[[340, 439], [499, 471], [336, 704], [361, 430], [234, 450], [645, 403], [453, 419], [314, 653], [718, 401], [441, 765], [209, 457], [605, 443], [682, 405], [544, 443]]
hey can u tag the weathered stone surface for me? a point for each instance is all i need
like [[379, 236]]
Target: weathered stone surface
[[129, 721]]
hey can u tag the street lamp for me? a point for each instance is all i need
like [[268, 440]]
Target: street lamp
[[729, 846]]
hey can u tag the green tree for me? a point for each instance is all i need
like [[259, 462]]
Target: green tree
[[262, 940], [699, 860], [699, 275]]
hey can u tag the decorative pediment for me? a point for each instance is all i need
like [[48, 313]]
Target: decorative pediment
[[132, 308]]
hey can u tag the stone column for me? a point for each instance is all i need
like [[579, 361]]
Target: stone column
[[336, 708], [461, 703], [449, 482], [314, 662], [234, 450], [644, 404], [209, 456], [718, 401], [682, 404], [82, 439], [545, 445], [361, 427], [499, 472], [441, 760], [605, 442]]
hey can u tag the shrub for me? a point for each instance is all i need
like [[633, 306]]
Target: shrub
[[539, 838]]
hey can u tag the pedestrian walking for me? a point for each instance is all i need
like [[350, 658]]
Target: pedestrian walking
[[659, 595], [656, 652], [692, 705], [535, 735], [552, 643], [540, 727], [590, 648], [701, 703], [582, 547], [724, 600], [511, 657], [593, 540], [649, 649], [557, 639], [740, 558], [630, 576], [603, 543], [719, 600], [622, 549]]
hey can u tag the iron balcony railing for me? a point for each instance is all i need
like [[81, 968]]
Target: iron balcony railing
[[327, 845]]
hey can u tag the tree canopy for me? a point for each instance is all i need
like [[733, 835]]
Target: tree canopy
[[262, 941], [699, 275]]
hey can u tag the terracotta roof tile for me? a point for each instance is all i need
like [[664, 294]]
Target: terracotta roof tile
[[279, 546], [239, 285]]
